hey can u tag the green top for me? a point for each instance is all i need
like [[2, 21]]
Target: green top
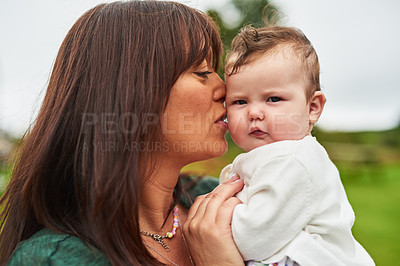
[[49, 248]]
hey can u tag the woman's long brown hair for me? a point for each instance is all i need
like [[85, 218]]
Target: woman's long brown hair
[[79, 170]]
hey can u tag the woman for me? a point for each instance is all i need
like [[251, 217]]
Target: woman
[[133, 97]]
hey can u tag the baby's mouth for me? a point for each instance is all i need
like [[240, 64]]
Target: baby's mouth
[[258, 133]]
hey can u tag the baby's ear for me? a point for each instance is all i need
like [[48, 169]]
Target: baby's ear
[[317, 103]]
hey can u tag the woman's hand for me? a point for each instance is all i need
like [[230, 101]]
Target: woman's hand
[[208, 226]]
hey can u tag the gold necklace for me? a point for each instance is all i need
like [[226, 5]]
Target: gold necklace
[[173, 263], [160, 239], [159, 253]]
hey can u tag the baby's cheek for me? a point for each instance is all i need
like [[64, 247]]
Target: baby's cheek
[[237, 130], [232, 122]]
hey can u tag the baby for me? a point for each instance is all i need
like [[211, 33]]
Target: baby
[[295, 210]]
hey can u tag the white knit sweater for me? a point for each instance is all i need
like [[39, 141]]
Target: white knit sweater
[[294, 205]]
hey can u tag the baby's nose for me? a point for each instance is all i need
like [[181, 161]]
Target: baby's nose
[[256, 113]]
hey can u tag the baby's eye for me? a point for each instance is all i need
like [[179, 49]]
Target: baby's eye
[[274, 99], [240, 102], [203, 74]]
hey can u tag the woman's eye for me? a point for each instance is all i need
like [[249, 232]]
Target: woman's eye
[[274, 99], [240, 102], [203, 74]]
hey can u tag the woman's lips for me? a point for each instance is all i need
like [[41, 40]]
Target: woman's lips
[[222, 121]]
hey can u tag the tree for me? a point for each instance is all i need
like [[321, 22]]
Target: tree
[[253, 12]]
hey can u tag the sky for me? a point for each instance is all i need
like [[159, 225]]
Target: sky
[[357, 42]]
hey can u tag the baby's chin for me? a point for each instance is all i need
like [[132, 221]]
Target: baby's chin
[[251, 143], [248, 148]]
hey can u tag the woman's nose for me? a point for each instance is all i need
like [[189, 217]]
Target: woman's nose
[[219, 89], [255, 113]]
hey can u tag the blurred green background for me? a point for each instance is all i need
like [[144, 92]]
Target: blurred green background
[[369, 162]]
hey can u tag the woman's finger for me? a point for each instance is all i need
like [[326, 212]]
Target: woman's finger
[[226, 211], [219, 196], [220, 193], [209, 236], [193, 211]]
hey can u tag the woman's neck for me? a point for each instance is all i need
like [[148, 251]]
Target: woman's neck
[[157, 196]]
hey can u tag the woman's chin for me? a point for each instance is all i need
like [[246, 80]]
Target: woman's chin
[[218, 149], [210, 150]]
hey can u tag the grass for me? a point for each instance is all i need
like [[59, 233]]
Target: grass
[[376, 204]]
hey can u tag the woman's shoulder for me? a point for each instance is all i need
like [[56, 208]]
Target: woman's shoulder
[[49, 248]]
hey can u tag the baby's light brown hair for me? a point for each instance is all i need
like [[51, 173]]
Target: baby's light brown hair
[[251, 43]]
